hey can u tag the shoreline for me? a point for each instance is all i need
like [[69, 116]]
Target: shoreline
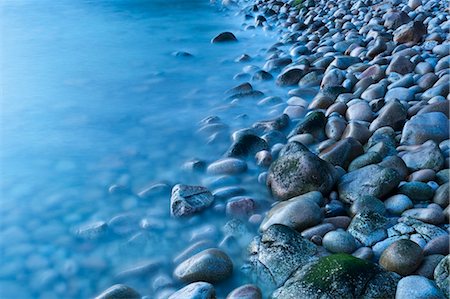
[[362, 184]]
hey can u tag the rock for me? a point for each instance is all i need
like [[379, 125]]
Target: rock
[[367, 203], [339, 276], [261, 75], [425, 156], [364, 160], [246, 144], [400, 65], [417, 191], [339, 242], [429, 215], [334, 77], [290, 77], [247, 291], [276, 64], [442, 276], [228, 166], [313, 123], [394, 19], [359, 111], [397, 204], [318, 230], [412, 33], [438, 245], [414, 3], [417, 287], [368, 228], [403, 257], [240, 207], [428, 266], [211, 265], [278, 253], [187, 200], [195, 290], [399, 93], [378, 47], [298, 171], [441, 196], [224, 37], [423, 127], [397, 164], [119, 291], [299, 213], [357, 130], [373, 180], [342, 152], [92, 231]]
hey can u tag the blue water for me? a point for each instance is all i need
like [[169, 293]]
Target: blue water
[[91, 96]]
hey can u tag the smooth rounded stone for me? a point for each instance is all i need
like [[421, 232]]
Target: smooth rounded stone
[[337, 107], [417, 287], [423, 127], [228, 166], [187, 200], [395, 18], [290, 77], [373, 180], [428, 266], [211, 265], [394, 162], [342, 152], [311, 79], [246, 144], [335, 127], [262, 75], [359, 111], [276, 63], [297, 101], [377, 48], [442, 275], [441, 196], [344, 62], [288, 212], [321, 101], [364, 253], [339, 242], [367, 203], [240, 207], [411, 33], [414, 3], [438, 245], [313, 123], [357, 131], [338, 276], [400, 65], [193, 249], [428, 215], [423, 68], [119, 291], [399, 93], [318, 230], [270, 101], [406, 81], [440, 106], [263, 158], [402, 257], [279, 123], [277, 253], [423, 175], [417, 191], [334, 77], [92, 230], [442, 176], [228, 192], [338, 221], [364, 160], [295, 111], [368, 228], [425, 156], [224, 37], [195, 290], [397, 204], [248, 291], [298, 171], [427, 81], [439, 89]]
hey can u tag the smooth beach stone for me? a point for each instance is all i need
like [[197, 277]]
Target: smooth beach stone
[[211, 265], [313, 123], [393, 114], [368, 228], [240, 207], [290, 77], [262, 75], [403, 257], [367, 203], [417, 191], [339, 221], [342, 152], [397, 164], [335, 127], [339, 276], [441, 196], [339, 242], [423, 175], [425, 156], [276, 63], [248, 291], [224, 37], [442, 176], [428, 215], [195, 290], [412, 32], [400, 65], [318, 230], [438, 245], [230, 166], [298, 171], [372, 180], [428, 266], [358, 131], [119, 291], [93, 230], [364, 160], [276, 254], [193, 249], [397, 204], [377, 48], [359, 111], [442, 275], [246, 144], [299, 213], [228, 192], [417, 287], [395, 18], [399, 93], [187, 200], [364, 253], [441, 106], [423, 127]]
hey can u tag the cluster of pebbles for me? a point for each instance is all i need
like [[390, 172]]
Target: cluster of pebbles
[[359, 174]]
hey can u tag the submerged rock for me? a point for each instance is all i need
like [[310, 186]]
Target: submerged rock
[[187, 200], [224, 37], [195, 290], [119, 291]]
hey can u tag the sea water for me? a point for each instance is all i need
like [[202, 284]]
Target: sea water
[[93, 97]]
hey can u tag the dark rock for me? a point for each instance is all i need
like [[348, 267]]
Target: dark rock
[[403, 257], [224, 37], [412, 32], [187, 200], [313, 123], [247, 291], [246, 144], [417, 191], [368, 228], [425, 156], [290, 77], [342, 152], [442, 275], [119, 291]]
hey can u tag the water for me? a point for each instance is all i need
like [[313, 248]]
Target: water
[[91, 96]]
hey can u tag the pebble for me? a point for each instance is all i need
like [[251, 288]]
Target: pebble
[[428, 266], [187, 200], [195, 290], [224, 37], [248, 291], [438, 245], [339, 242], [119, 291], [367, 204], [397, 204], [417, 191], [402, 256], [417, 287], [442, 275], [230, 166]]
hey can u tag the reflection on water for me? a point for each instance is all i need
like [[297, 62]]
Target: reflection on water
[[92, 96]]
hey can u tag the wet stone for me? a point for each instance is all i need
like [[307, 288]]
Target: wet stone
[[119, 291], [415, 286], [224, 37], [402, 256], [187, 200], [368, 228], [339, 242], [195, 290], [442, 275], [247, 291]]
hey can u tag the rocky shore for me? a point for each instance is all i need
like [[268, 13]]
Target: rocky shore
[[358, 176]]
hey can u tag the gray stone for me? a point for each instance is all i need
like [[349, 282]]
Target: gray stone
[[290, 77], [442, 275], [364, 160], [438, 245], [368, 228], [425, 156], [195, 290], [402, 256], [429, 215], [417, 191], [187, 200], [393, 114], [428, 266], [119, 291], [441, 196], [246, 144], [339, 242], [247, 291], [423, 127], [397, 204], [211, 265], [367, 203], [400, 65], [298, 171], [229, 166], [417, 287]]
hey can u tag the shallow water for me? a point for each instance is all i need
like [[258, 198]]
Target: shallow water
[[91, 97]]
